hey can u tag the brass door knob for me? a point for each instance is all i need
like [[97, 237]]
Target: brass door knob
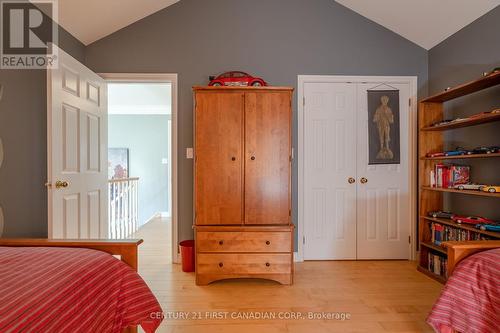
[[364, 180], [61, 184], [351, 180]]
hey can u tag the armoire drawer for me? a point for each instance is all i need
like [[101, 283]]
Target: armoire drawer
[[244, 241], [244, 264]]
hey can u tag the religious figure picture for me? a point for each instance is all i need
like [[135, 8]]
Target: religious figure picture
[[383, 126]]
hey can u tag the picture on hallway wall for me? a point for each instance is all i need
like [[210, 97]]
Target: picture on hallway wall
[[118, 163], [383, 127]]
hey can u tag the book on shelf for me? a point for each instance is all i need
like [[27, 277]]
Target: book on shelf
[[443, 233], [447, 176], [437, 264]]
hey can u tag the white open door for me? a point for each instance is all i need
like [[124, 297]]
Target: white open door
[[77, 151]]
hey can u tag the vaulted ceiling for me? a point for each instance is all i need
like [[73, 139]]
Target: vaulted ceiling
[[424, 22]]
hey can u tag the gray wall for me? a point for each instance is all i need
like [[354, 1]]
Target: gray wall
[[460, 58], [274, 39], [147, 138], [23, 130]]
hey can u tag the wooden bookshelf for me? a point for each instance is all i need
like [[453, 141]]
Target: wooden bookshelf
[[462, 226], [468, 88], [468, 192], [432, 139], [430, 274], [460, 157], [472, 121]]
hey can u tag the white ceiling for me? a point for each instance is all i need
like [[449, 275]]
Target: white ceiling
[[91, 20], [139, 98], [424, 22]]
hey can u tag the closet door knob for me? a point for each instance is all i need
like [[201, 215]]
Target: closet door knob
[[351, 180], [221, 242], [221, 264], [252, 158], [268, 264], [268, 243], [364, 180]]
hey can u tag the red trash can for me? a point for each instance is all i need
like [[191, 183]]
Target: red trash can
[[187, 255]]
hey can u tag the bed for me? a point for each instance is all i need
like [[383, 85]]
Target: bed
[[74, 286], [470, 300]]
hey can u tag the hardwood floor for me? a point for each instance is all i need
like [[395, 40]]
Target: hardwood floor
[[380, 296]]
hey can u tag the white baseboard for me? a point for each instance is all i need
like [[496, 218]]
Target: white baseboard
[[297, 257], [164, 214]]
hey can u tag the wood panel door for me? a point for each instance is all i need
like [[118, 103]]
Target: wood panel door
[[77, 151], [218, 158], [330, 171], [267, 157], [383, 197]]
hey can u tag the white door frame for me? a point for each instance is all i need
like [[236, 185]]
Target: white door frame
[[412, 81], [164, 78]]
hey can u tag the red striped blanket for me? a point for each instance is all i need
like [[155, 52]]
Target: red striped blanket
[[470, 300], [71, 290]]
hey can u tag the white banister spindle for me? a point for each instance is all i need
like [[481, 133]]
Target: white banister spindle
[[123, 207]]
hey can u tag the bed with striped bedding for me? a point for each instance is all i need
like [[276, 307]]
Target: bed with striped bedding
[[470, 300], [56, 289]]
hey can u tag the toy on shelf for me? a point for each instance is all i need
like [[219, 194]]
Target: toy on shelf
[[457, 152], [491, 188], [238, 79], [484, 150], [435, 154], [489, 227], [473, 187], [441, 214], [472, 219]]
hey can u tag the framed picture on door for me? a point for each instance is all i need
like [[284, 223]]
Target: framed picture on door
[[383, 127]]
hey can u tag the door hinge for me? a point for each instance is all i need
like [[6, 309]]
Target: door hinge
[[304, 101], [409, 239], [303, 239], [289, 212], [409, 101]]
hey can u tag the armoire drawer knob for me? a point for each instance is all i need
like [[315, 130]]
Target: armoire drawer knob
[[268, 243], [233, 158], [252, 158], [221, 242], [221, 264], [268, 264]]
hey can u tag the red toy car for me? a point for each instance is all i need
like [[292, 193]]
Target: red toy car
[[240, 79], [472, 220]]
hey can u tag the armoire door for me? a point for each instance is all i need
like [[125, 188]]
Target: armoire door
[[267, 157], [329, 171], [218, 158]]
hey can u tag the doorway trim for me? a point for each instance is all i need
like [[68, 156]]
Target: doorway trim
[[412, 82], [161, 78]]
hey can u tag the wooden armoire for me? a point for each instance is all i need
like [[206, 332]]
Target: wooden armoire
[[242, 183]]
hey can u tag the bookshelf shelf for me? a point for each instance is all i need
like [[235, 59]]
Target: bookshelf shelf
[[451, 223], [484, 82], [468, 192], [438, 248], [432, 139], [430, 274], [460, 157], [482, 119]]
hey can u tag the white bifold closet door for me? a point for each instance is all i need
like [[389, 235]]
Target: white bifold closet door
[[344, 218], [329, 162]]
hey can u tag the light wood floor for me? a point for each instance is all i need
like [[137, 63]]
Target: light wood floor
[[381, 296]]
